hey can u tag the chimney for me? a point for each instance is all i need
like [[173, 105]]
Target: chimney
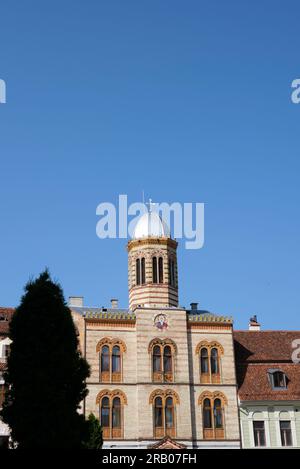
[[194, 306], [76, 301], [114, 303], [254, 324]]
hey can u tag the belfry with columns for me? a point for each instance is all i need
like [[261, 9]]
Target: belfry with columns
[[152, 264]]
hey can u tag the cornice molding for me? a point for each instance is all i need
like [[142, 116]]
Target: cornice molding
[[151, 241]]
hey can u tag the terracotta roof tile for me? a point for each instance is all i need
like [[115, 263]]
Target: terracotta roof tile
[[5, 317], [2, 366], [256, 352], [265, 345]]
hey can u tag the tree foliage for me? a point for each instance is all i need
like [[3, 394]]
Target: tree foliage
[[46, 372], [93, 436]]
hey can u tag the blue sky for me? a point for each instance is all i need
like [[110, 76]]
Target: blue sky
[[188, 101]]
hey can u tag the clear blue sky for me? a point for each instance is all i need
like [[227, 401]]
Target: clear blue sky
[[188, 100]]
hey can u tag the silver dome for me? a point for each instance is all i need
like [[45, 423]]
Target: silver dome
[[151, 225]]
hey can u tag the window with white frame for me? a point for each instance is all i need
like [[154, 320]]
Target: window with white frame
[[259, 433], [286, 433], [4, 349]]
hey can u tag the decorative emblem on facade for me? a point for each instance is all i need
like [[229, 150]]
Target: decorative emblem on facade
[[161, 322]]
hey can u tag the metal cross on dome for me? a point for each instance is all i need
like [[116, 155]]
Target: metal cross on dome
[[150, 205]]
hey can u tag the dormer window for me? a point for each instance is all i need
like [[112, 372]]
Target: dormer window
[[6, 350], [278, 379]]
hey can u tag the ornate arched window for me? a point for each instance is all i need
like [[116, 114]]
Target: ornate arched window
[[158, 416], [213, 420], [116, 417], [164, 415], [210, 361], [169, 414], [172, 273], [214, 361], [218, 414], [111, 359], [207, 422], [167, 359], [111, 412], [138, 271], [143, 271], [160, 270], [157, 270], [154, 269], [105, 363], [163, 352], [204, 362], [157, 368], [116, 360], [105, 414]]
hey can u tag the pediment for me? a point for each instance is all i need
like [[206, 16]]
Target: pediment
[[167, 443]]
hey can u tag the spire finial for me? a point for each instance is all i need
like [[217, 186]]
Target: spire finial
[[150, 205]]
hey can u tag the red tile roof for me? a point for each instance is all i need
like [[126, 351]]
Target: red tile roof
[[256, 352], [5, 317], [2, 366]]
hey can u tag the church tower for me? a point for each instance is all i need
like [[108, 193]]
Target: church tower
[[152, 264]]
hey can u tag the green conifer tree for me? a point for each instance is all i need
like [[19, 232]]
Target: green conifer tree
[[46, 373], [93, 438]]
